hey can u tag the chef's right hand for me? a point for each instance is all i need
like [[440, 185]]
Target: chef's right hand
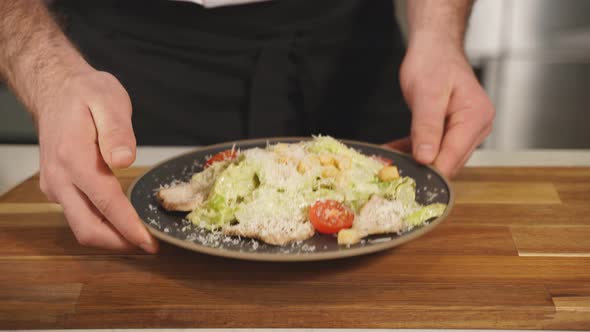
[[85, 131]]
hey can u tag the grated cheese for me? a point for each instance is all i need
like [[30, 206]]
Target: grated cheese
[[276, 211]]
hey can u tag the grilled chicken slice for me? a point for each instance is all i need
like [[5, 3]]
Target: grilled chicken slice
[[378, 216], [273, 218], [181, 197], [187, 196], [276, 232]]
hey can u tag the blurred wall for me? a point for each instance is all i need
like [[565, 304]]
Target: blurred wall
[[533, 58], [16, 125], [539, 76]]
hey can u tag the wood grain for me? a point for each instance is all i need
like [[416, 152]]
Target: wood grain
[[45, 240], [269, 300], [33, 220], [449, 239], [26, 192], [37, 304], [568, 289], [520, 214], [506, 193], [45, 297], [578, 192], [513, 254], [552, 240], [524, 174], [12, 208], [572, 303]]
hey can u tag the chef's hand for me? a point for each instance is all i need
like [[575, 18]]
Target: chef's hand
[[84, 132], [451, 113]]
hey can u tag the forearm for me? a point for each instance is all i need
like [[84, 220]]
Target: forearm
[[451, 114], [34, 53], [444, 21]]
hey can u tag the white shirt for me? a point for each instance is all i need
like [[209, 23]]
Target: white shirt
[[219, 3]]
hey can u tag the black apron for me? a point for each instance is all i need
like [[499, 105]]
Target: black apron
[[278, 68]]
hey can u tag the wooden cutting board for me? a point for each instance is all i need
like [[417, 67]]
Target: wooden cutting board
[[514, 254]]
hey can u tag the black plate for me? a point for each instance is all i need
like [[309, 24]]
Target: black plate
[[171, 227]]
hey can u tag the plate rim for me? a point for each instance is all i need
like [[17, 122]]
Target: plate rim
[[296, 257]]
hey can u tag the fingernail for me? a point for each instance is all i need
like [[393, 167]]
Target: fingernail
[[121, 155], [148, 247], [425, 152]]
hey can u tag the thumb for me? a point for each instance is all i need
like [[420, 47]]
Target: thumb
[[116, 139], [428, 122]]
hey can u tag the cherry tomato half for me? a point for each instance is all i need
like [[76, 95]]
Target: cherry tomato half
[[329, 217], [383, 160], [221, 156]]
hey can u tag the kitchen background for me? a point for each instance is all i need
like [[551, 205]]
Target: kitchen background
[[533, 57]]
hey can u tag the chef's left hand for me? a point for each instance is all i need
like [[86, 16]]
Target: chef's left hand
[[451, 113]]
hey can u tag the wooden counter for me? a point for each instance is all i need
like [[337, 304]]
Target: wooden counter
[[514, 254]]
